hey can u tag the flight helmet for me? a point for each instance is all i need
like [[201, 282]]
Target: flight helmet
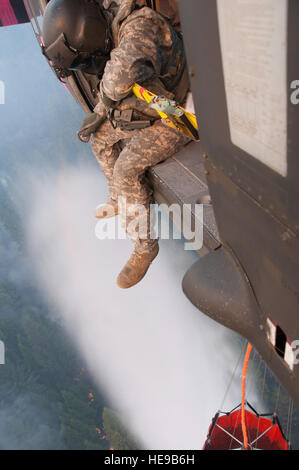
[[76, 36]]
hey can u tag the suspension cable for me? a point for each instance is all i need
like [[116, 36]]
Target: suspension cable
[[277, 398], [232, 376], [244, 373], [289, 420]]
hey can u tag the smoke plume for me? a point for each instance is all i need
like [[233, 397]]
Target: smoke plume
[[164, 365]]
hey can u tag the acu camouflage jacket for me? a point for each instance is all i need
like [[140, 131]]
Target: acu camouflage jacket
[[149, 52]]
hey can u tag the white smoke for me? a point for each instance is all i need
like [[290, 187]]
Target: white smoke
[[164, 365]]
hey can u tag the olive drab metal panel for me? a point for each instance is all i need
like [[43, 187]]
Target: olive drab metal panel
[[244, 68]]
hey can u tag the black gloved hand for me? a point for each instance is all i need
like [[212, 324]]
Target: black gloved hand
[[90, 125]]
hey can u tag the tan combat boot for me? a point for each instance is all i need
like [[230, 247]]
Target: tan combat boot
[[136, 268], [104, 211]]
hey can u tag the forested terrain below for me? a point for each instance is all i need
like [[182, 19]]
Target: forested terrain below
[[47, 397]]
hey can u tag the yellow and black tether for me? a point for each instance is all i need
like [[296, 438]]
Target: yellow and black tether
[[173, 114]]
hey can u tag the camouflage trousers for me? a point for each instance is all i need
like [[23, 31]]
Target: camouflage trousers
[[124, 157]]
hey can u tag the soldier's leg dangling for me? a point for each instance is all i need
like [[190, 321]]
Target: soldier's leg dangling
[[146, 148]]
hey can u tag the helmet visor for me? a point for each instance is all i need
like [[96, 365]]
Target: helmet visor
[[93, 64], [63, 56], [59, 53]]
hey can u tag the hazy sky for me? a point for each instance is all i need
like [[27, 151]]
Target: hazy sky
[[164, 365]]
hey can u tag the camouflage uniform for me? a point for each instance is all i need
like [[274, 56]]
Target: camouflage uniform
[[149, 52]]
